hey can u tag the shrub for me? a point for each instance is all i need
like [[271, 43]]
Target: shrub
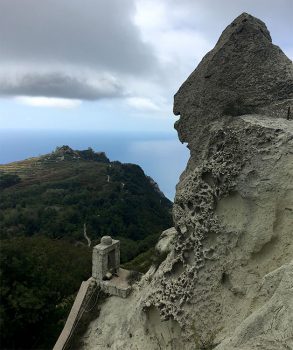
[[7, 180]]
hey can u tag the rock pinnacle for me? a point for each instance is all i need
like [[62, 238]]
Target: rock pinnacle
[[245, 73]]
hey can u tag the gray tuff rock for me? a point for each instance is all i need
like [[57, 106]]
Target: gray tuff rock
[[227, 281]]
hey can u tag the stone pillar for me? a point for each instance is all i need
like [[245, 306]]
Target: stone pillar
[[106, 257]]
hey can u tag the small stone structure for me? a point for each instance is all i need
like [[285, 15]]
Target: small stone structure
[[106, 258], [106, 268], [106, 273]]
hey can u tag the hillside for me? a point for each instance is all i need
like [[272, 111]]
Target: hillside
[[58, 194], [51, 207]]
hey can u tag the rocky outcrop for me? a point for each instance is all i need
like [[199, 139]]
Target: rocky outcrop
[[244, 74], [233, 214], [67, 153], [227, 282]]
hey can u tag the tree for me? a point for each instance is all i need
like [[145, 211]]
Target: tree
[[39, 278]]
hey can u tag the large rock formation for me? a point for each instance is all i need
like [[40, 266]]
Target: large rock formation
[[227, 282], [244, 73]]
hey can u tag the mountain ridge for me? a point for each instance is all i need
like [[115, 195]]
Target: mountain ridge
[[55, 177]]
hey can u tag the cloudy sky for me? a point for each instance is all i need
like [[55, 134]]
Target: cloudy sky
[[111, 64]]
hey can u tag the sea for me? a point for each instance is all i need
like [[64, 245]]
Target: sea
[[161, 155]]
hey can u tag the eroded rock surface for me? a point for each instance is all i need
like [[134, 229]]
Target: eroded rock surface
[[227, 281]]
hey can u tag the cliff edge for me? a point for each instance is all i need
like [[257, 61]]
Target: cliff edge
[[227, 280]]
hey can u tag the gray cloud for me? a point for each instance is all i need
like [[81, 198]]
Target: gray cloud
[[52, 45], [97, 34], [58, 84]]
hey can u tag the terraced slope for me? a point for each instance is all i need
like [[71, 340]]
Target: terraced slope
[[64, 193]]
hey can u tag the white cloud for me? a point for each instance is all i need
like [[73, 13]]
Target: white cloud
[[150, 15], [178, 46], [183, 48], [142, 104], [48, 102]]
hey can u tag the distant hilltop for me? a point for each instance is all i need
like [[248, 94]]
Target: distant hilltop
[[61, 191], [66, 153], [62, 154]]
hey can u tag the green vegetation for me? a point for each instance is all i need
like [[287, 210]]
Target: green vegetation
[[143, 261], [39, 280], [55, 198], [44, 204], [7, 180]]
